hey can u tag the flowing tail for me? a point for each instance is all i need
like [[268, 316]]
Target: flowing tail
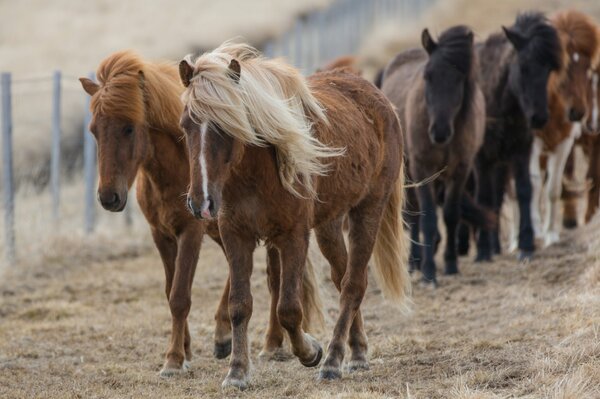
[[312, 306], [390, 253]]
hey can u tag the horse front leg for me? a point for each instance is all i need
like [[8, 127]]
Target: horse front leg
[[293, 249], [239, 251], [485, 197], [569, 197], [537, 182], [556, 168], [523, 188], [428, 223], [180, 300], [454, 192]]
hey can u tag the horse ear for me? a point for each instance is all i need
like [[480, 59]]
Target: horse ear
[[186, 72], [470, 36], [427, 41], [518, 40], [235, 69], [89, 86]]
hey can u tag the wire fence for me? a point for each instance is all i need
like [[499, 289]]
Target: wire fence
[[314, 39]]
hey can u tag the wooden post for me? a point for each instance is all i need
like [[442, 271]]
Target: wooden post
[[7, 171], [55, 153], [89, 168]]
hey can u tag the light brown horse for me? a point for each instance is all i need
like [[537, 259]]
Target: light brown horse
[[274, 156], [136, 109], [442, 109], [567, 102]]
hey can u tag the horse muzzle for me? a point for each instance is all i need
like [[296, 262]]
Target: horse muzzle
[[206, 210], [111, 200]]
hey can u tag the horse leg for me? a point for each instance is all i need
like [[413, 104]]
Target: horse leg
[[593, 175], [180, 299], [569, 197], [454, 191], [222, 339], [537, 182], [332, 245], [429, 226], [293, 248], [523, 188], [556, 167], [485, 197], [412, 218], [501, 181], [239, 251], [363, 231], [272, 349]]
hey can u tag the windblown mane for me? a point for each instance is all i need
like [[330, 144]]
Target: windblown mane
[[271, 104], [544, 43], [579, 33], [456, 47], [127, 83]]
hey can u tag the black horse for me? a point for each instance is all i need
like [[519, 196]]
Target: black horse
[[514, 67]]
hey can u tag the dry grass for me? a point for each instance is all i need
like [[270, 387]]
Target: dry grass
[[87, 323]]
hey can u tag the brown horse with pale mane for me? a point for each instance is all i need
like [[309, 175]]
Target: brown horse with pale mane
[[274, 156], [136, 109]]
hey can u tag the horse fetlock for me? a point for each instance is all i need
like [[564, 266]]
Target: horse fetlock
[[236, 379], [451, 266], [172, 368], [525, 256], [358, 365], [330, 373]]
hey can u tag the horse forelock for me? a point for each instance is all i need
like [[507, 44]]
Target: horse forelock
[[456, 47], [580, 32], [270, 104], [543, 40], [126, 84]]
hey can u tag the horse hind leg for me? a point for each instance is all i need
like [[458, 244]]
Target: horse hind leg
[[362, 235], [593, 175], [332, 246], [412, 218]]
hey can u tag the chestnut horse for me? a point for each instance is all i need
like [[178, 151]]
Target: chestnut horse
[[442, 110], [274, 156], [514, 68], [136, 109], [567, 99], [590, 143]]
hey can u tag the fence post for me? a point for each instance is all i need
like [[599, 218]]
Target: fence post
[[89, 168], [55, 155], [7, 171]]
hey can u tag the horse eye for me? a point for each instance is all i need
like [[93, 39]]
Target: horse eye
[[128, 130]]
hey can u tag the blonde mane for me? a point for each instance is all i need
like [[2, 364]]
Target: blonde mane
[[127, 83], [270, 104]]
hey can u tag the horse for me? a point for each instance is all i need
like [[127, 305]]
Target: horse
[[567, 98], [274, 155], [135, 121], [442, 110], [590, 143], [345, 61], [514, 70]]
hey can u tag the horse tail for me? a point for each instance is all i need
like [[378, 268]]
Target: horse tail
[[390, 253], [378, 81], [477, 215], [312, 304]]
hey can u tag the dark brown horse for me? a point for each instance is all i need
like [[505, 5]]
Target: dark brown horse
[[567, 101], [275, 156], [443, 113], [136, 110]]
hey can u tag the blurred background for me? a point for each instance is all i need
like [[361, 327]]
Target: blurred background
[[46, 46]]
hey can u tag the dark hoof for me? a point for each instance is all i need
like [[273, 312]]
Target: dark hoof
[[429, 282], [451, 267], [570, 224], [329, 374], [481, 258], [525, 256], [222, 349], [315, 362]]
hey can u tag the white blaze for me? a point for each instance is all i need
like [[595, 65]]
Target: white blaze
[[203, 172]]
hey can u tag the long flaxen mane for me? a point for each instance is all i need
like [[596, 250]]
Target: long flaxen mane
[[270, 104], [128, 83]]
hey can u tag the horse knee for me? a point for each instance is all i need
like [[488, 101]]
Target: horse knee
[[180, 306], [239, 313]]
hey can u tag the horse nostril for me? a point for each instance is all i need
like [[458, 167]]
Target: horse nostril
[[116, 199], [575, 115]]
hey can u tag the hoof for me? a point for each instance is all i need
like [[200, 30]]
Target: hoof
[[235, 383], [317, 359], [429, 283], [414, 265], [358, 365], [551, 238], [277, 355], [170, 370], [451, 267], [525, 256], [570, 224], [481, 258], [328, 373], [222, 349]]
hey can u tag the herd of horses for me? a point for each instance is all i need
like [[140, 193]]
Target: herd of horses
[[247, 150]]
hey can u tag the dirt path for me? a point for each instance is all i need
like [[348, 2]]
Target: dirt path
[[88, 329]]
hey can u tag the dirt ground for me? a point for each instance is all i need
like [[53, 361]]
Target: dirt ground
[[95, 324]]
